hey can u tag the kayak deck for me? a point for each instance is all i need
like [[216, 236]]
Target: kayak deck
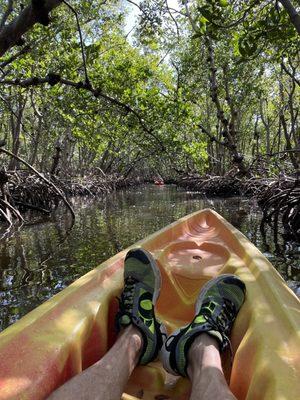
[[75, 328]]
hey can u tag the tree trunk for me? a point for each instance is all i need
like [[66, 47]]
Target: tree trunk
[[265, 121], [294, 16], [287, 135], [228, 126], [56, 158], [16, 126]]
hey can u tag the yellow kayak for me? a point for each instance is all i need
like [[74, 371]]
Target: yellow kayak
[[75, 328]]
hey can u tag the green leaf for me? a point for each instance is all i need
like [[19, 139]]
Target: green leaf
[[207, 12], [223, 3]]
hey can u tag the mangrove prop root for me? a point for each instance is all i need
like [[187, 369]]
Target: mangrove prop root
[[279, 198], [25, 190], [47, 181]]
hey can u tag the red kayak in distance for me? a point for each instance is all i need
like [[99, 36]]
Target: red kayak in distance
[[159, 183]]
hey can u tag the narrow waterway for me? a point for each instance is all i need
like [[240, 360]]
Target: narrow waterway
[[41, 259]]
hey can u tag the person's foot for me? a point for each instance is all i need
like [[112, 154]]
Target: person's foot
[[142, 282], [216, 309]]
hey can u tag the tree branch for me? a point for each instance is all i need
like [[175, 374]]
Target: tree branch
[[54, 79], [294, 16], [24, 50], [188, 14], [7, 13], [12, 209], [5, 217], [173, 19], [12, 33], [134, 4], [56, 189], [281, 152], [81, 40], [212, 137], [241, 19], [290, 73]]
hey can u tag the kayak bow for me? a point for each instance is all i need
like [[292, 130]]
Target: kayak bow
[[75, 328]]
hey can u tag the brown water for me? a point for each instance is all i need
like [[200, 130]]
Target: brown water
[[41, 259]]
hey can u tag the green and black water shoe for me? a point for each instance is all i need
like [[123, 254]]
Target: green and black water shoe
[[216, 309], [142, 282]]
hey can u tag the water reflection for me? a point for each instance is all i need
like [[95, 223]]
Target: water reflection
[[41, 259]]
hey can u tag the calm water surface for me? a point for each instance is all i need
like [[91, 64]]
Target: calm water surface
[[43, 258]]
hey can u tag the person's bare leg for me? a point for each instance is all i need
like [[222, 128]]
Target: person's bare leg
[[106, 379], [141, 337], [205, 370]]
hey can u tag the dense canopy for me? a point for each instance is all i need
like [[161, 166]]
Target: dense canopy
[[151, 87]]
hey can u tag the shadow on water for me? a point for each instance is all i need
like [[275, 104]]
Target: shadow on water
[[41, 259]]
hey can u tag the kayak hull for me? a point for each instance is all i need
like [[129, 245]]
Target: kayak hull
[[75, 328]]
